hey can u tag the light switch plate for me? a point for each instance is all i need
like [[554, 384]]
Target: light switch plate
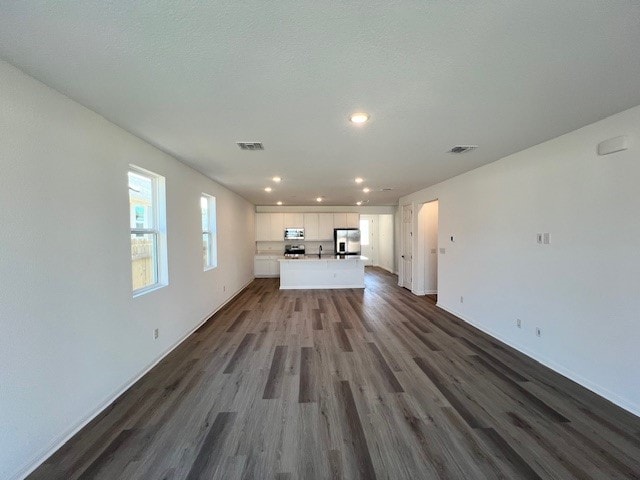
[[545, 239]]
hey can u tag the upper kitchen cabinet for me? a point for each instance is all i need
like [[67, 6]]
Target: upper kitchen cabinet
[[293, 220], [339, 221], [317, 226], [325, 226], [311, 226], [277, 227], [353, 220], [263, 227]]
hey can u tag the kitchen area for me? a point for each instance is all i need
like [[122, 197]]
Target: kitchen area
[[310, 250]]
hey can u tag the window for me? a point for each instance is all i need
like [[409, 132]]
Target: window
[[364, 232], [148, 232], [209, 235]]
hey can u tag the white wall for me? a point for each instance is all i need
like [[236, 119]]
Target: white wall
[[386, 242], [582, 289], [71, 335]]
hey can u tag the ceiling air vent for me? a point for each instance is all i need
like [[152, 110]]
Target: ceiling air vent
[[463, 148], [250, 145]]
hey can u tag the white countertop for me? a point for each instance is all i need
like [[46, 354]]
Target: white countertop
[[330, 258]]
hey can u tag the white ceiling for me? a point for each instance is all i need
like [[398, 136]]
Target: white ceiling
[[194, 79]]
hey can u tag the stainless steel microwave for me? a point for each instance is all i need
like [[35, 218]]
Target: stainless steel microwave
[[294, 233]]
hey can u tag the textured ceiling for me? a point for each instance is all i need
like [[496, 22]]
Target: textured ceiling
[[195, 77]]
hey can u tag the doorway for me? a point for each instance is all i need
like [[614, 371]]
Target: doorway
[[376, 240], [407, 246], [429, 224], [368, 238]]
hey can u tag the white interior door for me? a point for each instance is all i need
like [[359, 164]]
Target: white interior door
[[407, 246], [367, 238]]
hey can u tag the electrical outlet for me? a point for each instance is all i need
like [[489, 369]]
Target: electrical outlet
[[545, 239], [518, 323], [461, 299], [442, 251], [156, 333], [538, 332], [539, 238]]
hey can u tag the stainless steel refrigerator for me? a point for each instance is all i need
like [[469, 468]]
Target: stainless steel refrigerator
[[346, 241]]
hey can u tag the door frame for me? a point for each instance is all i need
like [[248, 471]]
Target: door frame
[[422, 252], [406, 212]]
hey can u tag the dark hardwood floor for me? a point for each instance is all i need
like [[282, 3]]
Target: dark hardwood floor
[[349, 384]]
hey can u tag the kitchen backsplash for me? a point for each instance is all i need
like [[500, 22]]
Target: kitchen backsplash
[[310, 247]]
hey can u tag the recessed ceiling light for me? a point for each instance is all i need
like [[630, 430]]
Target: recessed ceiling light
[[319, 199], [359, 117], [359, 180], [279, 203], [268, 189], [359, 203], [276, 179], [366, 190]]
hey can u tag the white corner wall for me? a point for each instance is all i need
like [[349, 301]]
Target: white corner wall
[[386, 242], [583, 288], [71, 335]]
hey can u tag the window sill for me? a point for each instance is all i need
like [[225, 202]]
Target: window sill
[[149, 289], [206, 269]]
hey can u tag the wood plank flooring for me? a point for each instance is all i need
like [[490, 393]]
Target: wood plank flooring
[[373, 384]]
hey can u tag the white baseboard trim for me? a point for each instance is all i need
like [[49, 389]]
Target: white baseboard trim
[[614, 398], [424, 292], [40, 458], [319, 287]]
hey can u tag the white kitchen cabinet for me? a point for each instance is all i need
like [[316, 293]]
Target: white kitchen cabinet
[[263, 227], [339, 220], [311, 226], [318, 226], [261, 267], [313, 272], [277, 227], [353, 220], [293, 220], [266, 266], [325, 226]]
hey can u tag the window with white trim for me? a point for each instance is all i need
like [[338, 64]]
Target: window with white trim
[[209, 233], [147, 215]]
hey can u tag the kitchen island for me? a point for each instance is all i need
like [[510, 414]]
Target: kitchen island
[[328, 271]]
